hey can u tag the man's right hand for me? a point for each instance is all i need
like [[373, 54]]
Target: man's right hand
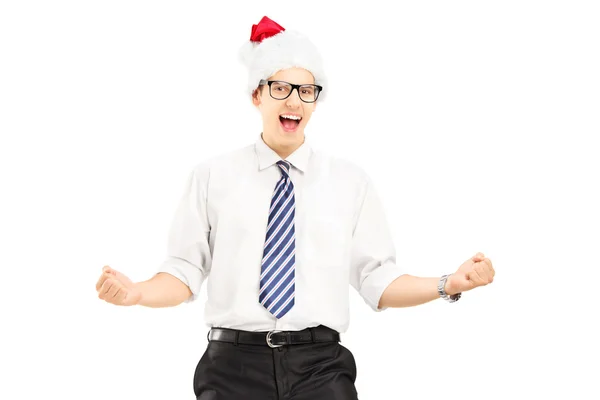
[[115, 288]]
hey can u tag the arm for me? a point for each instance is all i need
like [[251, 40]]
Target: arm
[[162, 290], [188, 260], [377, 278], [189, 256], [408, 291], [373, 256]]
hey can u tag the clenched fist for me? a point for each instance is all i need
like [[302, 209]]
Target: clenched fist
[[476, 271], [115, 288]]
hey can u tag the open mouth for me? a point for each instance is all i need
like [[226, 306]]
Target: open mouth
[[289, 122]]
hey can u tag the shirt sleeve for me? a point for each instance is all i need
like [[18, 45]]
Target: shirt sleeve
[[373, 260], [188, 251]]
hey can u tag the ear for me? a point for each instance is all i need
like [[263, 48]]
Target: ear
[[256, 97]]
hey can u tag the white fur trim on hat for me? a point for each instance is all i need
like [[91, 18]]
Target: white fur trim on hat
[[284, 50]]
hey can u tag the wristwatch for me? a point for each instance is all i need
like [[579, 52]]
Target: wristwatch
[[442, 291]]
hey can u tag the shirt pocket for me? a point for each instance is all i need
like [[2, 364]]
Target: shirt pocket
[[327, 238]]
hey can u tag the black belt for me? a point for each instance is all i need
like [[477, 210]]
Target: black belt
[[274, 338]]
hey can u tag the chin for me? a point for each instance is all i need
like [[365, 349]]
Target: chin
[[290, 138], [281, 137]]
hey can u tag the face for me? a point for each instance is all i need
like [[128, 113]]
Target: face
[[282, 134]]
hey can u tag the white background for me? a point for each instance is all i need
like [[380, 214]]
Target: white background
[[478, 122]]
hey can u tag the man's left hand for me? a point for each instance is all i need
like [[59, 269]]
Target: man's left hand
[[476, 271]]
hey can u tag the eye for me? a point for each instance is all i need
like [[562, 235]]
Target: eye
[[280, 88]]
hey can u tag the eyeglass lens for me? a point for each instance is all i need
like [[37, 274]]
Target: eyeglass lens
[[281, 90]]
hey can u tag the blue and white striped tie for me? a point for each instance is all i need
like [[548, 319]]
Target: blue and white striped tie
[[277, 275]]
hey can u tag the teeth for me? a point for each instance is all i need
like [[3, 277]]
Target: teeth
[[291, 117]]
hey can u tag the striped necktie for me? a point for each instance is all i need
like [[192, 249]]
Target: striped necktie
[[277, 275]]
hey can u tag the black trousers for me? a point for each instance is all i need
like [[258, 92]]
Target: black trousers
[[312, 371]]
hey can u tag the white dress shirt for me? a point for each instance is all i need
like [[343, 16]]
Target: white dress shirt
[[342, 238]]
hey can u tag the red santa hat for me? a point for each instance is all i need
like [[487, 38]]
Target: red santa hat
[[272, 48]]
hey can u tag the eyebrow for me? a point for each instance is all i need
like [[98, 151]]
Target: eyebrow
[[301, 84]]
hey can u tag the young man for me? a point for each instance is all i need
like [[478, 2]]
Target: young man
[[279, 231]]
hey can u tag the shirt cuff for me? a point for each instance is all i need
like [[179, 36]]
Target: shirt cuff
[[187, 273], [378, 280]]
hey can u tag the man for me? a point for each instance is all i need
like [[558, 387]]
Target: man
[[279, 231]]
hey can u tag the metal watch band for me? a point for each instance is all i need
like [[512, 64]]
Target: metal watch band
[[442, 291]]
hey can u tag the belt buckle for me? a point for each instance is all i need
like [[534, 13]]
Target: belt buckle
[[271, 345]]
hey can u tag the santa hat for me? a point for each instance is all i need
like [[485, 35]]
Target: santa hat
[[272, 48]]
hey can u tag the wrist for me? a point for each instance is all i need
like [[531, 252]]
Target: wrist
[[137, 293], [446, 289], [449, 287]]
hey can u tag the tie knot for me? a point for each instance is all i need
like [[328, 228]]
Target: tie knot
[[284, 166]]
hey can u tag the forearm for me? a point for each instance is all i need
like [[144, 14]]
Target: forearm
[[163, 290], [408, 291]]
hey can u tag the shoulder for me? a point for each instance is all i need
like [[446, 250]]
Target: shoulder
[[223, 163]]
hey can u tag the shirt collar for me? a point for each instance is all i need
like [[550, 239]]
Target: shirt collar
[[267, 156]]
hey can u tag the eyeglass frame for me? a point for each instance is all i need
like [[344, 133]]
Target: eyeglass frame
[[297, 87]]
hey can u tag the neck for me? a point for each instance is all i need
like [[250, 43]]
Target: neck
[[282, 150]]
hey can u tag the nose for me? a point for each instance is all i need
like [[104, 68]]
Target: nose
[[294, 99]]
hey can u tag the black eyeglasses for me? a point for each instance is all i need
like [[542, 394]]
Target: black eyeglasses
[[280, 90]]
